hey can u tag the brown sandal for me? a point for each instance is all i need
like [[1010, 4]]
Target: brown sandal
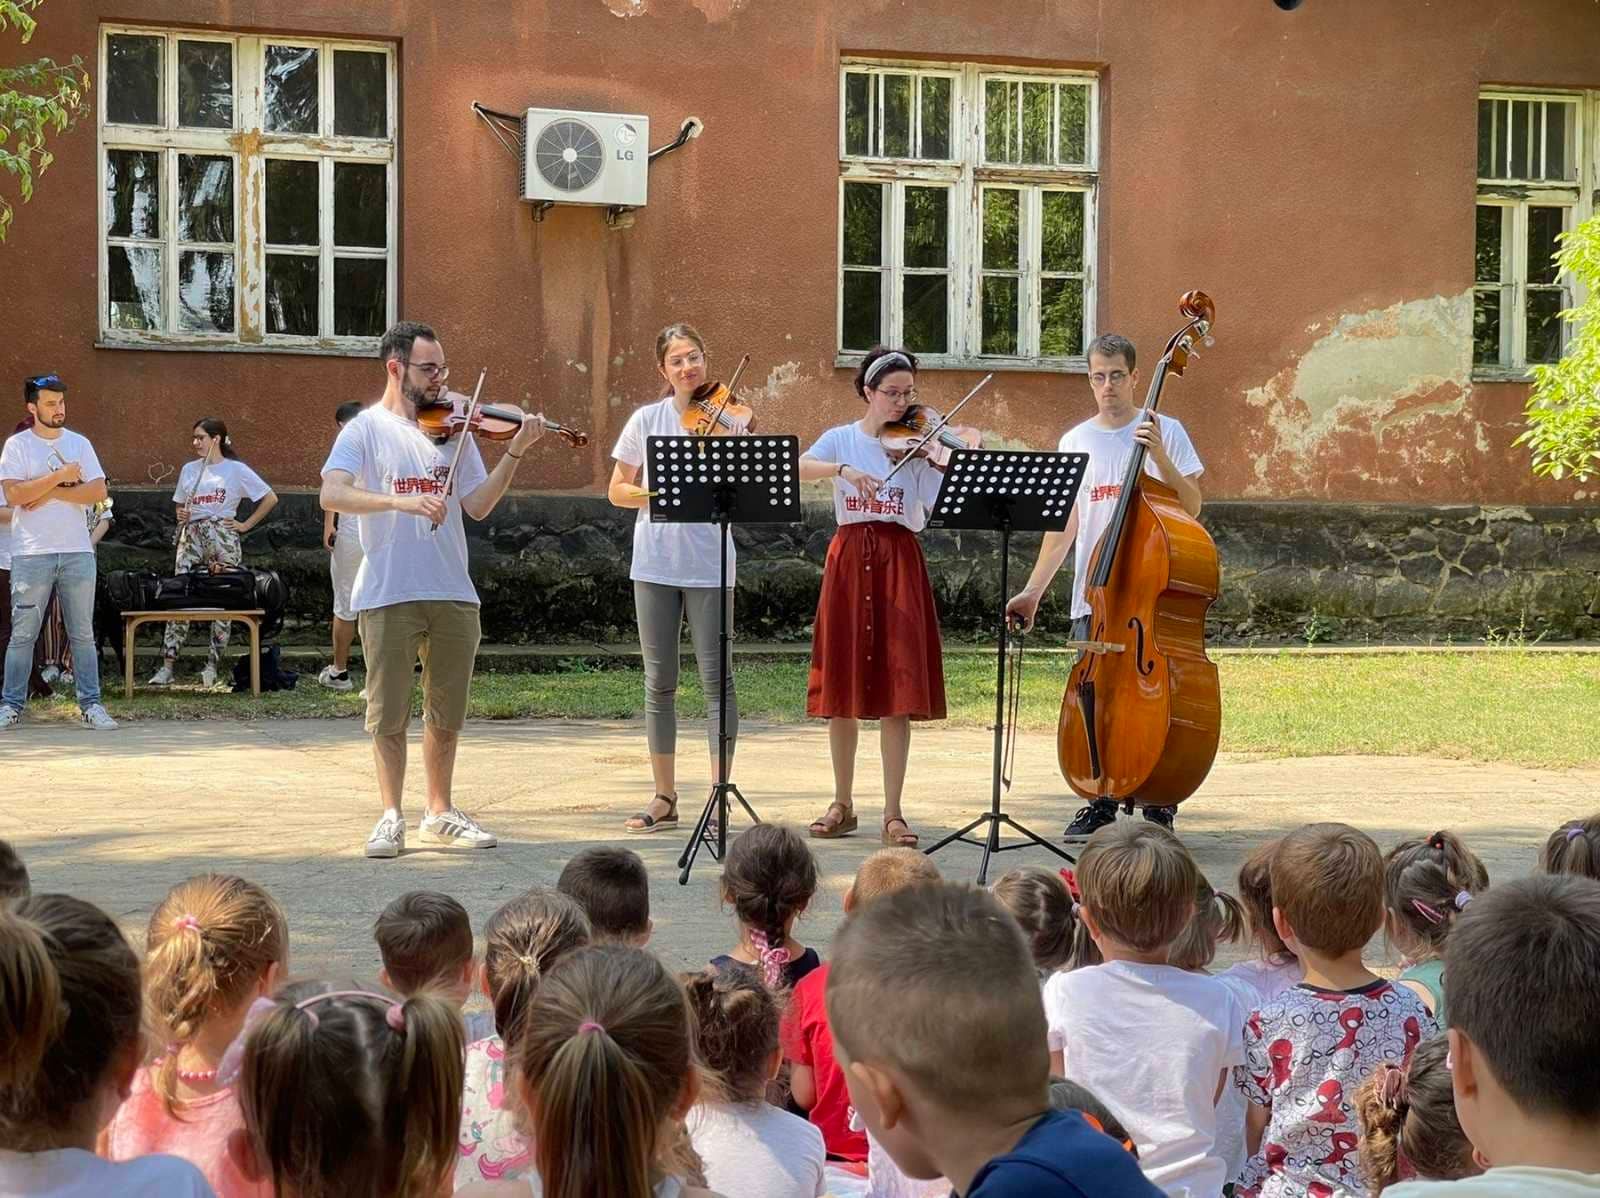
[[899, 840], [831, 826], [655, 823]]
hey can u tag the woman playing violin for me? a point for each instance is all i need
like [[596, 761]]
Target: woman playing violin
[[675, 572], [875, 651]]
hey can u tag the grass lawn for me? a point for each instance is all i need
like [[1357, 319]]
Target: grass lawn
[[1536, 709]]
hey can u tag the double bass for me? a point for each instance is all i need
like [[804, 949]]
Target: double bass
[[1142, 712]]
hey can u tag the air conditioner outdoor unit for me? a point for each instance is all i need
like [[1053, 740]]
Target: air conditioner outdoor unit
[[585, 157]]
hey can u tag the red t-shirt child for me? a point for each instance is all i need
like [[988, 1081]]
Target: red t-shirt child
[[807, 1041]]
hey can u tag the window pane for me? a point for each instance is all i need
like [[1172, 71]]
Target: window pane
[[133, 79], [1544, 325], [897, 116], [1074, 141], [1521, 112], [205, 85], [1036, 104], [1490, 243], [1560, 128], [1544, 226], [205, 198], [1061, 237], [926, 302], [935, 117], [205, 291], [1486, 327], [292, 192], [290, 102], [863, 224], [133, 193], [863, 309], [1000, 227], [1060, 318], [133, 287], [360, 204], [999, 102], [360, 94], [857, 105], [1486, 162], [927, 226], [292, 294], [360, 297], [999, 315]]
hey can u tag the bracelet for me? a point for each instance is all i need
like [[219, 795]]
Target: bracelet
[[515, 457], [840, 471]]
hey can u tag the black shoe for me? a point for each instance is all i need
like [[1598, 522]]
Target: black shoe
[[1090, 819], [1161, 816]]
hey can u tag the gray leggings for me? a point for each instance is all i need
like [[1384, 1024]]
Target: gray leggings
[[661, 610]]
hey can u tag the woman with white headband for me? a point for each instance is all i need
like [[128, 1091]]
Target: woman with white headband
[[875, 651]]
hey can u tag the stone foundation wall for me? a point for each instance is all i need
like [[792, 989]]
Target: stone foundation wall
[[552, 567]]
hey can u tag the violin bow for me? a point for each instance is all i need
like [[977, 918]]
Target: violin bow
[[934, 431], [465, 435], [727, 399]]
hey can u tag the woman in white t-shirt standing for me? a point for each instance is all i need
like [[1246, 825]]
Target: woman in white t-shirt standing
[[676, 573], [875, 651], [208, 493]]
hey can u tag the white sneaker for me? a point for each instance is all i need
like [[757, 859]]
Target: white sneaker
[[97, 719], [163, 676], [50, 674], [455, 828], [388, 836], [208, 676], [335, 680], [10, 717]]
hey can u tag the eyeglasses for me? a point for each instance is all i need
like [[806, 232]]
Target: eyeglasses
[[692, 358], [894, 396], [434, 370], [1116, 378]]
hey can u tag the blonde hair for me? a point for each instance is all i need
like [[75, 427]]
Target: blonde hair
[[605, 1054], [1409, 1128], [1218, 918], [1041, 903], [1255, 893], [889, 870], [340, 1101], [1139, 883], [209, 942], [522, 941]]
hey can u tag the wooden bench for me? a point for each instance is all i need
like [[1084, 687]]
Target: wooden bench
[[206, 615]]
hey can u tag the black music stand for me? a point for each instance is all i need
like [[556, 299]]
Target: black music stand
[[1009, 491], [722, 481]]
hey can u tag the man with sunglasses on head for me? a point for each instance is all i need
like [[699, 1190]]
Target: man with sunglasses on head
[[50, 475], [412, 593], [1108, 437]]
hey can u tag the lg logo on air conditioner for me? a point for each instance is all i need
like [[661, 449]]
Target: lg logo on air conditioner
[[626, 135]]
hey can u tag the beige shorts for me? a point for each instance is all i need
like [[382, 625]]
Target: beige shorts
[[444, 634]]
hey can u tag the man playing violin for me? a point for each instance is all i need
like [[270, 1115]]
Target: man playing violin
[[412, 595], [1108, 437]]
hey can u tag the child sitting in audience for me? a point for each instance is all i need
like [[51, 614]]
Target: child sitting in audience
[[1070, 1096], [750, 1148], [613, 888], [69, 1024], [522, 941], [425, 940], [1409, 1128], [1040, 901], [215, 944], [1308, 1051], [350, 1093], [1426, 886], [769, 879], [935, 1009], [1152, 1041], [1523, 969], [1277, 968], [1573, 848], [13, 874], [605, 1062]]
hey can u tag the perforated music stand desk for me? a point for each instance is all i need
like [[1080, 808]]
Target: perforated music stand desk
[[723, 481], [1005, 491]]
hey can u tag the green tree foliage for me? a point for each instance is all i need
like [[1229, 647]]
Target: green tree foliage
[[35, 98], [1563, 409]]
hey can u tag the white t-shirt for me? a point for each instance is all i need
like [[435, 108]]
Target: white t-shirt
[[57, 526], [673, 555], [1522, 1181], [1266, 980], [758, 1151], [1151, 1042], [74, 1173], [1109, 450], [1233, 1106], [910, 496], [404, 559], [221, 488]]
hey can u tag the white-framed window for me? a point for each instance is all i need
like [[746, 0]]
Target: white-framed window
[[249, 191], [1532, 159], [967, 202]]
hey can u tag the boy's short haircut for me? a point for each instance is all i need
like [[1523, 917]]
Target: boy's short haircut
[[891, 870], [424, 937], [1522, 968], [936, 983], [1327, 879], [613, 887], [14, 883], [1138, 883]]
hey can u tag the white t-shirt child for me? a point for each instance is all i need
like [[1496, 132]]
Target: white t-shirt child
[[757, 1151], [75, 1173], [1512, 1181], [405, 560], [673, 555], [1151, 1042], [222, 485], [55, 526], [909, 497], [1109, 451]]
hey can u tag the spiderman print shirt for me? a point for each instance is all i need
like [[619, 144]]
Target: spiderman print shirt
[[1306, 1052]]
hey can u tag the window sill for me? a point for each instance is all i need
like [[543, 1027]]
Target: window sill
[[950, 362], [208, 346], [1501, 374]]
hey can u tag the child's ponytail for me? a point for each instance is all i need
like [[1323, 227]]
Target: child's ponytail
[[769, 878], [1428, 883], [522, 941], [1573, 848], [31, 1013], [1045, 903], [426, 1093], [1409, 1129], [1218, 918]]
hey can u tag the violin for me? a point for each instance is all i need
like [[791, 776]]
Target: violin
[[904, 435], [713, 411], [492, 422]]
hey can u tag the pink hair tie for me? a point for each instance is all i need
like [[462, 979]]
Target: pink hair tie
[[395, 1017], [589, 1025], [1428, 913], [187, 923], [772, 959]]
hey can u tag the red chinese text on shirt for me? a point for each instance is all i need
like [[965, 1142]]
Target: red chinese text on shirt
[[894, 505], [1104, 491]]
